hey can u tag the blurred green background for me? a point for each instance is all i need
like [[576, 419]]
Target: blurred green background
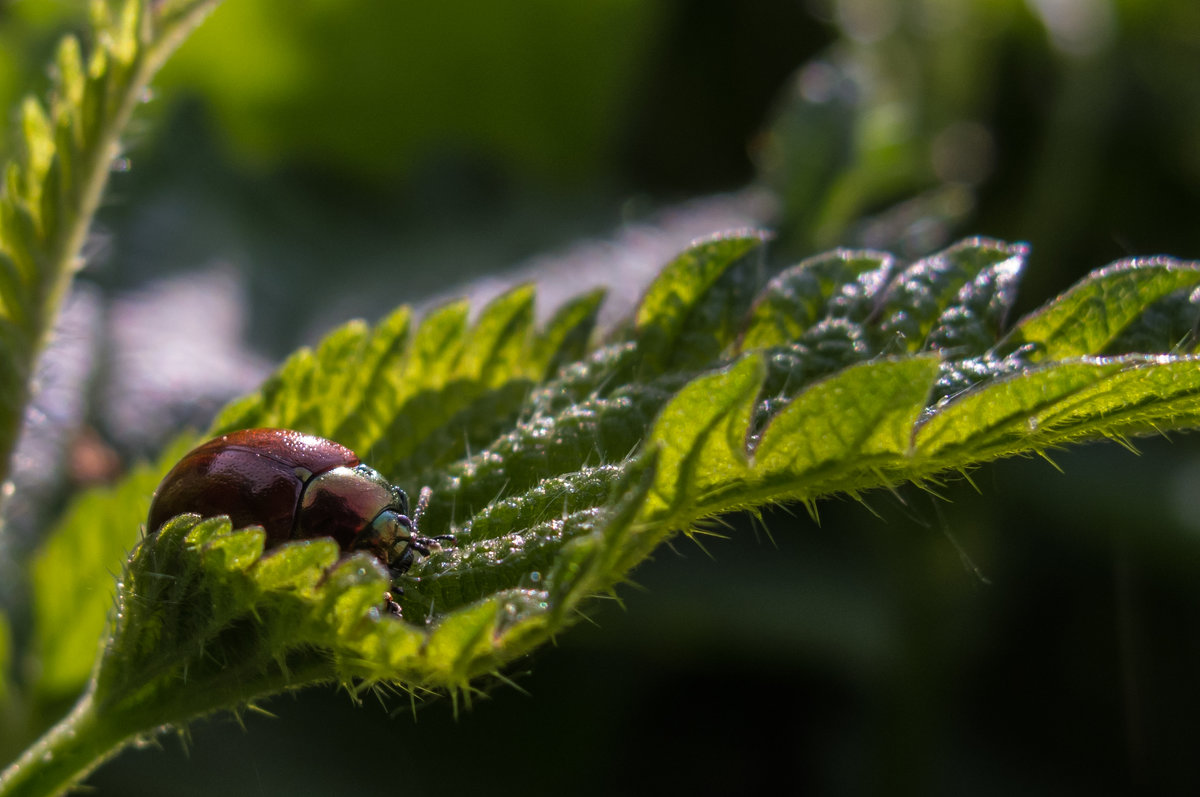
[[322, 160]]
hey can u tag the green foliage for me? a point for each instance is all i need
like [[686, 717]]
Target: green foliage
[[1090, 316], [65, 632], [845, 373], [5, 658], [557, 461], [51, 189], [506, 82]]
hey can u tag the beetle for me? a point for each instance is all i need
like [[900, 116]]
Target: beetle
[[296, 486]]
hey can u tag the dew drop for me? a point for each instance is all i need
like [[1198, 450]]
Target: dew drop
[[121, 164]]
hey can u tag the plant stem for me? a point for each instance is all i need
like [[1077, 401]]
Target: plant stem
[[100, 725], [65, 754]]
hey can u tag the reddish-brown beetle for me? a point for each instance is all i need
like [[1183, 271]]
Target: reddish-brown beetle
[[297, 487]]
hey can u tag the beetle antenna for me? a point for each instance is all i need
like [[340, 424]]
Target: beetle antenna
[[433, 543], [422, 505]]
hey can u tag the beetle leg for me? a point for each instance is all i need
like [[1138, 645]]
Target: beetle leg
[[427, 545]]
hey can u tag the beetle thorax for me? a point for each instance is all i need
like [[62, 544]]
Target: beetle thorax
[[343, 503]]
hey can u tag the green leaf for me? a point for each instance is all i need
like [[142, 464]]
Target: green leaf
[[438, 344], [494, 352], [701, 440], [1149, 395], [53, 187], [1093, 313], [670, 301], [81, 560], [1073, 400], [5, 661], [716, 320], [556, 481], [367, 399], [862, 418], [566, 336], [939, 288], [969, 325], [803, 294]]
